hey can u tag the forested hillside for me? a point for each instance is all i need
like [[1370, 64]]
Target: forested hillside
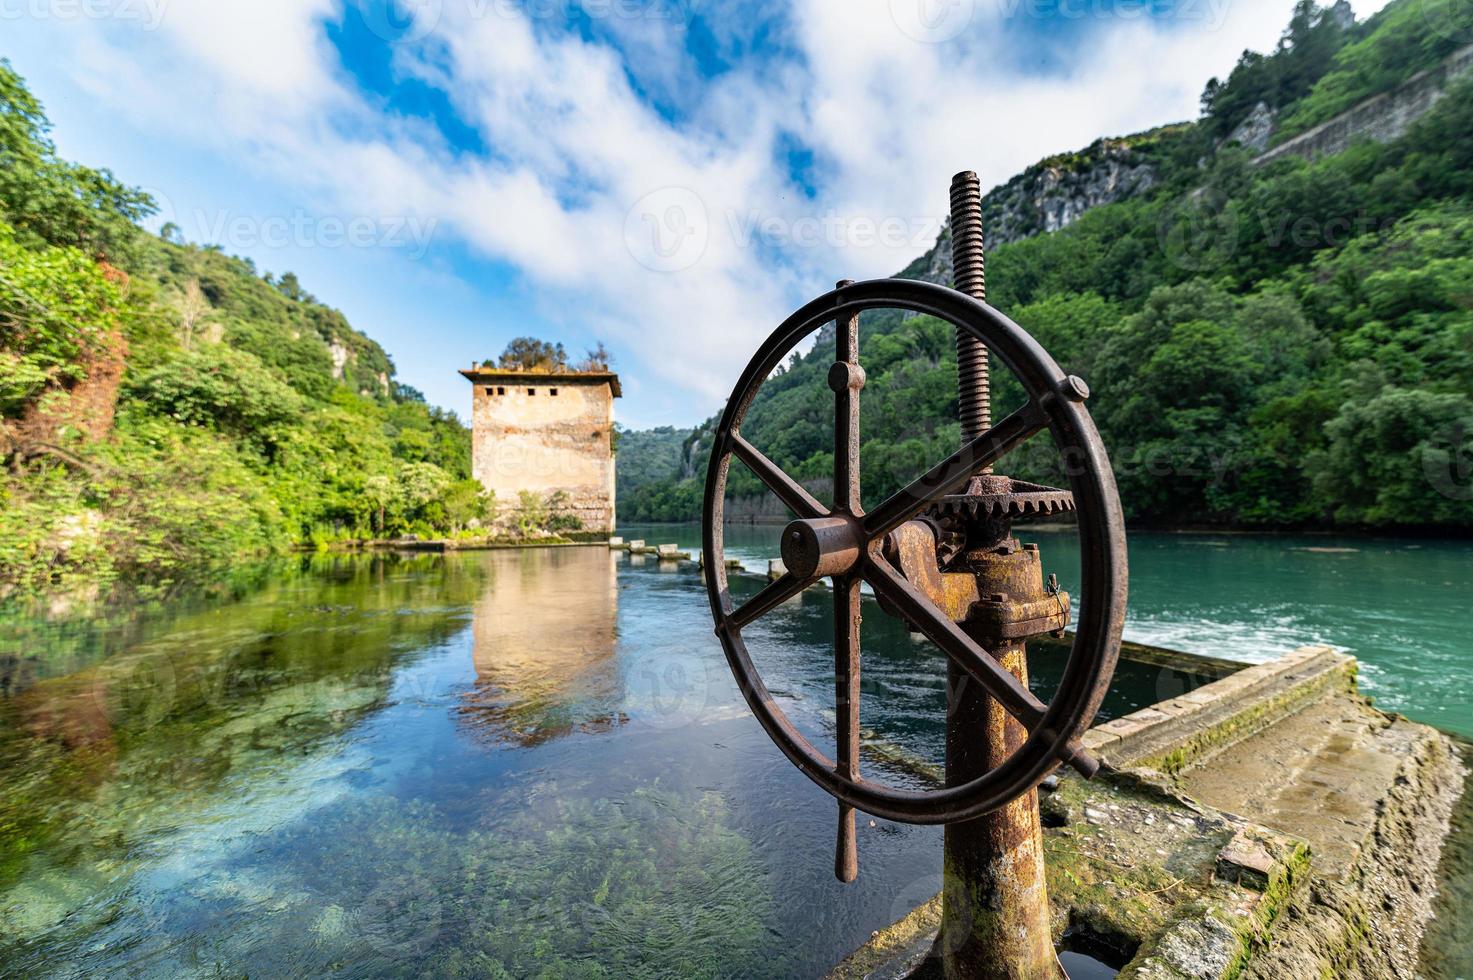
[[661, 450], [166, 408], [1282, 345]]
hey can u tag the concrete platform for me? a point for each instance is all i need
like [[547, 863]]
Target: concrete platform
[[1372, 795], [1271, 823]]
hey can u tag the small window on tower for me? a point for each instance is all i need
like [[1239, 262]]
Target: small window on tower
[[501, 391], [552, 391], [531, 391], [490, 391]]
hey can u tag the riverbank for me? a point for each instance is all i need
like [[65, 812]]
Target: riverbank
[[442, 545], [80, 596]]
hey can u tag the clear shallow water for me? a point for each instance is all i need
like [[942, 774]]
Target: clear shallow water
[[490, 764]]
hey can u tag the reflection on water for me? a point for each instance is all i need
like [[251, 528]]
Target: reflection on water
[[184, 720], [543, 634], [524, 763], [497, 764]]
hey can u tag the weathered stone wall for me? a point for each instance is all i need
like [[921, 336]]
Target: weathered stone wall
[[546, 434], [1381, 118]]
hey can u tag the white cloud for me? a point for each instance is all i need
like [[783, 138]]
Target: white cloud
[[572, 147]]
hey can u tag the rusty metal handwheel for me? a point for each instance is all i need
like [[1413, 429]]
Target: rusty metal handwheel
[[844, 543]]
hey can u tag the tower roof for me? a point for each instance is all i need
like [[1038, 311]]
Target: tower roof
[[490, 375]]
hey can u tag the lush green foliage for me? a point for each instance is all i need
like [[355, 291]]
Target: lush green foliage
[[532, 354], [644, 452], [50, 200], [1240, 328], [58, 313], [535, 354], [166, 409]]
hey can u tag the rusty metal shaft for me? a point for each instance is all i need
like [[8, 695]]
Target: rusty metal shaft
[[969, 275], [995, 916], [995, 920], [996, 923], [846, 378]]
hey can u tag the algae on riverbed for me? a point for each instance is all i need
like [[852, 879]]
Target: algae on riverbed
[[100, 761]]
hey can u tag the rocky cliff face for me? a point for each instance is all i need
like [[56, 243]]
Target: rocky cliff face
[[1050, 195], [1055, 192], [1256, 130]]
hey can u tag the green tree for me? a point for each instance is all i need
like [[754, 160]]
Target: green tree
[[532, 354], [222, 388], [1398, 458], [50, 200]]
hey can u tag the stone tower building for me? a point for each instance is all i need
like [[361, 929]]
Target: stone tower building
[[545, 432]]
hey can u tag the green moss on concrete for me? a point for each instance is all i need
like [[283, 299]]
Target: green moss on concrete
[[893, 943], [1218, 933], [1243, 723], [1130, 864], [1110, 880], [1291, 870]]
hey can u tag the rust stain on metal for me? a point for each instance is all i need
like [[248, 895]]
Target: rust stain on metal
[[996, 925], [969, 269]]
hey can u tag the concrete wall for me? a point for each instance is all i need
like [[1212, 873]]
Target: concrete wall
[[525, 437], [1381, 118]]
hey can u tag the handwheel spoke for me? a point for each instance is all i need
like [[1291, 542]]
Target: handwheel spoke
[[955, 643], [952, 473], [967, 654], [846, 709], [798, 500], [767, 600]]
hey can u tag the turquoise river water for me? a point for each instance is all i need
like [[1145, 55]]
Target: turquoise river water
[[535, 763]]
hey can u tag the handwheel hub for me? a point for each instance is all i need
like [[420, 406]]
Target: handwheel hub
[[822, 546]]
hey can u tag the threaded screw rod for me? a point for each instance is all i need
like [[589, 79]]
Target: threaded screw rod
[[969, 275]]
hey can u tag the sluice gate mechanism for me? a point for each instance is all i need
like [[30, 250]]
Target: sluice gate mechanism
[[941, 555]]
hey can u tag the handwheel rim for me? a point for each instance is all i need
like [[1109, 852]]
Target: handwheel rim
[[1101, 609]]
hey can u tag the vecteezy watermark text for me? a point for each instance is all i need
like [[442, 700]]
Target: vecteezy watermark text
[[1209, 12], [148, 13], [940, 21], [670, 229], [832, 229], [303, 230]]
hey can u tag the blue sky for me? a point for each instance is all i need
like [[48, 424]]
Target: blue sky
[[668, 176]]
